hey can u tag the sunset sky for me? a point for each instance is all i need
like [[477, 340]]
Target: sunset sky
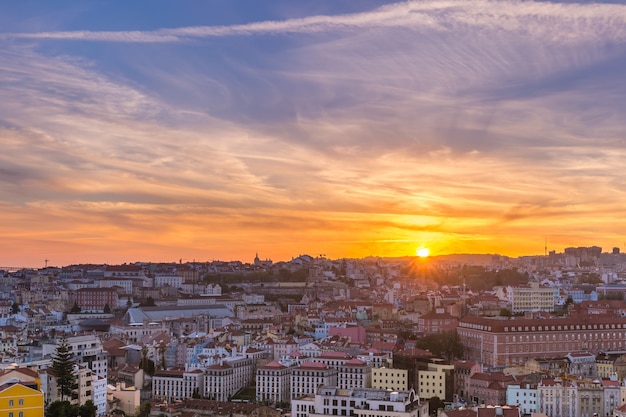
[[163, 130]]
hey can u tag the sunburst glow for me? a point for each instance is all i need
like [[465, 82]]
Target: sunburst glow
[[423, 252]]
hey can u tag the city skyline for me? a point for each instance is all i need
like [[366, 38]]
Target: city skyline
[[217, 130]]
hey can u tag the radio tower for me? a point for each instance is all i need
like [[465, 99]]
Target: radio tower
[[545, 248]]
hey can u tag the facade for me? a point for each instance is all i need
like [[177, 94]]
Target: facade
[[222, 380], [272, 382], [306, 378], [524, 396], [532, 297], [390, 379], [499, 343], [463, 371], [437, 380], [556, 397], [176, 385], [354, 373], [95, 299], [18, 400], [361, 403]]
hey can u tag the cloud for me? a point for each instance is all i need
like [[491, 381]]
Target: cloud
[[458, 122]]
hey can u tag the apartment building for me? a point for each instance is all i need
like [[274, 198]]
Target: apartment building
[[557, 397], [390, 379], [363, 402], [532, 297], [354, 373], [437, 380], [273, 382], [224, 379], [306, 378], [172, 385]]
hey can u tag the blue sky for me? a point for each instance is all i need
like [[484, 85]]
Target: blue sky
[[216, 129]]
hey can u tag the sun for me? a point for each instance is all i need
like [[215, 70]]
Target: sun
[[422, 252]]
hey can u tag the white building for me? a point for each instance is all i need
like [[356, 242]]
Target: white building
[[306, 378], [99, 394], [177, 385], [273, 382], [523, 397], [368, 402], [87, 351], [224, 379], [556, 397], [354, 373]]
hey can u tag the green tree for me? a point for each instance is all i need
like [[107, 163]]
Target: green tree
[[435, 403], [75, 309], [144, 409], [63, 367], [446, 345], [107, 309], [59, 409], [88, 409], [15, 308]]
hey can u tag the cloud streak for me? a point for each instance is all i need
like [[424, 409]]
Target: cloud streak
[[462, 125]]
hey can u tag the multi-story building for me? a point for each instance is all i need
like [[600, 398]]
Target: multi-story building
[[523, 395], [499, 343], [18, 400], [273, 382], [556, 397], [96, 299], [463, 371], [87, 350], [363, 402], [390, 379], [354, 373], [489, 388], [306, 378], [591, 399], [224, 379], [172, 385], [436, 322], [437, 380], [532, 297]]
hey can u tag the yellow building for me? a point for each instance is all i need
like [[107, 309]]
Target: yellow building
[[390, 379], [18, 400]]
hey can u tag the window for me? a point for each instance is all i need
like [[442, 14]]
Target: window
[[21, 401]]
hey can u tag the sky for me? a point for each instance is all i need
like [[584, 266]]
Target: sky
[[217, 129]]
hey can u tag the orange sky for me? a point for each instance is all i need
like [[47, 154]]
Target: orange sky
[[348, 133]]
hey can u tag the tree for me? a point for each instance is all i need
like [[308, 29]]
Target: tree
[[144, 409], [435, 403], [88, 409], [63, 367], [75, 309], [107, 308], [15, 308]]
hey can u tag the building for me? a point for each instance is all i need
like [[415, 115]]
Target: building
[[306, 378], [363, 402], [390, 379], [171, 385], [436, 322], [556, 397], [463, 371], [224, 379], [17, 400], [500, 343], [273, 382], [96, 299], [437, 380], [532, 297], [354, 373]]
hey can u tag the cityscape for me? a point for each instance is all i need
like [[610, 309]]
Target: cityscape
[[453, 335], [282, 208]]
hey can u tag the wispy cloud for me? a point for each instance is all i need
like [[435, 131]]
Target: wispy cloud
[[468, 124]]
